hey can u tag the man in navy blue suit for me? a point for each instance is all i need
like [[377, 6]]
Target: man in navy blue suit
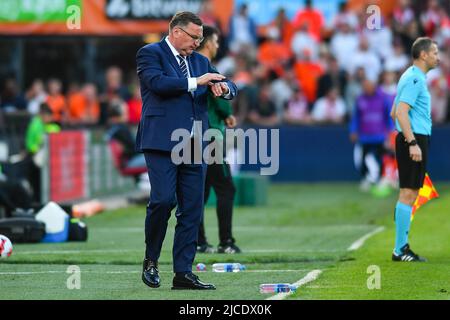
[[175, 81]]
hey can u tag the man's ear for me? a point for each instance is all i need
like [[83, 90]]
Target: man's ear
[[175, 33], [423, 54]]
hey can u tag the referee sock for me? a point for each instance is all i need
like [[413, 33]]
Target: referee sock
[[402, 224]]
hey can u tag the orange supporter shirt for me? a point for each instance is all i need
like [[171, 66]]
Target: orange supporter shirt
[[287, 33], [273, 54], [313, 18], [92, 111], [307, 74], [242, 78], [76, 105], [80, 109], [58, 105]]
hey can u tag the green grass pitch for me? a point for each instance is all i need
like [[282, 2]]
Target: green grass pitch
[[303, 228]]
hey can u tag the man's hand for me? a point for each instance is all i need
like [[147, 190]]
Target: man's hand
[[415, 153], [230, 122], [207, 78], [219, 89]]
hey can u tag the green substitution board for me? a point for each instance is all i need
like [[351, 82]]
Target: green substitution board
[[36, 10]]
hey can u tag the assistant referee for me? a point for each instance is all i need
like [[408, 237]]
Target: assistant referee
[[412, 114]]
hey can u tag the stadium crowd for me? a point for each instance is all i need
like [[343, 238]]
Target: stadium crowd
[[299, 71]]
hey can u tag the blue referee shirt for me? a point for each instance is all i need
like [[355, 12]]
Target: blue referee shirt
[[412, 89]]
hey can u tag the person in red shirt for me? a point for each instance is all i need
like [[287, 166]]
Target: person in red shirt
[[135, 106]]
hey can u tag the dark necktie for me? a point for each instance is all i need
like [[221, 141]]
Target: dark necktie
[[183, 66]]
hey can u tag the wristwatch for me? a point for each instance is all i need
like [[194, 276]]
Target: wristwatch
[[413, 142]]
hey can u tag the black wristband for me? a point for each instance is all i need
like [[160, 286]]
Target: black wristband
[[413, 142]]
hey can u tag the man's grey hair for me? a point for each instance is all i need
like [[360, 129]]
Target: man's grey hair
[[183, 18]]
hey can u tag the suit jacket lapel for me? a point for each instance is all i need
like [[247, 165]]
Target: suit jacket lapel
[[191, 69], [173, 61]]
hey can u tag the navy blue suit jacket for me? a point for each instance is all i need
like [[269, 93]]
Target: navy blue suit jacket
[[167, 104]]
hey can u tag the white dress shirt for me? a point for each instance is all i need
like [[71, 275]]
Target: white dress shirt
[[192, 82]]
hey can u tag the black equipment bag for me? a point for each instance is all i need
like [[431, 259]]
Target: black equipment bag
[[77, 230], [22, 230]]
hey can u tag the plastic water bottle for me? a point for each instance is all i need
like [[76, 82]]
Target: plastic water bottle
[[276, 287], [228, 267]]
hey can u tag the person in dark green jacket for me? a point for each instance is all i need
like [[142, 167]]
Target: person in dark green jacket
[[218, 175]]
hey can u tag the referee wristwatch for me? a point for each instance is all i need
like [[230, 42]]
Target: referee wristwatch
[[413, 142]]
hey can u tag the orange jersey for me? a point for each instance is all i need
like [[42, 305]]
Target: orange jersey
[[80, 109], [58, 105], [307, 74], [314, 20], [273, 55]]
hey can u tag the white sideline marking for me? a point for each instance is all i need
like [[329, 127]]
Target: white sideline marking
[[311, 276], [237, 228], [29, 272], [359, 243], [274, 270], [19, 273], [76, 251], [354, 246], [25, 273], [131, 250]]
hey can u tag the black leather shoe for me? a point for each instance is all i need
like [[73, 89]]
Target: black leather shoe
[[150, 273], [190, 281]]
